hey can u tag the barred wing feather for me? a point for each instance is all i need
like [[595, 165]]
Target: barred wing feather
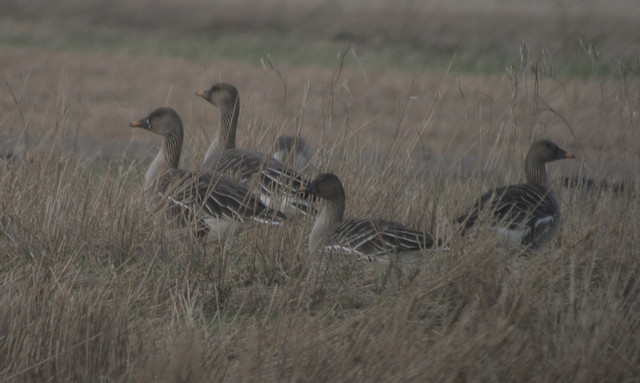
[[216, 195], [273, 176], [377, 237], [526, 210]]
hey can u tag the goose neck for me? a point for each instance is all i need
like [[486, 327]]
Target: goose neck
[[226, 138], [331, 214], [167, 158], [229, 124], [536, 172]]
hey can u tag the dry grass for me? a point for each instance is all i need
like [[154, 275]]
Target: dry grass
[[92, 290]]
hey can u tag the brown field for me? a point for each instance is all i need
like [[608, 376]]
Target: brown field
[[92, 290]]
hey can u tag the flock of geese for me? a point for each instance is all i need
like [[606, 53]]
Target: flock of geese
[[236, 188]]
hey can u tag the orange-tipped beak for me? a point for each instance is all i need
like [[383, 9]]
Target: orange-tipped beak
[[201, 93], [141, 123], [569, 155], [303, 188]]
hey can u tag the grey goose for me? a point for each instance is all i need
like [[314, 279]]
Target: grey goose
[[223, 156], [294, 152], [370, 239], [528, 213], [218, 204]]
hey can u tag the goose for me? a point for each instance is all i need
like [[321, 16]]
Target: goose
[[223, 156], [528, 213], [218, 204], [370, 239], [295, 152], [13, 148]]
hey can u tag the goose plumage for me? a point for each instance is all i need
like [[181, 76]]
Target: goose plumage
[[274, 179], [218, 204], [528, 213], [371, 239], [295, 153]]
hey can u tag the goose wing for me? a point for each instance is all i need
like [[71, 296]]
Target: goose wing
[[517, 206], [372, 237], [215, 195], [273, 176]]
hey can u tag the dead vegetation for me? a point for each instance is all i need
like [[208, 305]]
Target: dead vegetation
[[93, 290]]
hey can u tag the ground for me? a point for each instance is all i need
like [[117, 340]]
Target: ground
[[417, 106]]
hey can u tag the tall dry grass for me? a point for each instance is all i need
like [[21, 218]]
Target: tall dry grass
[[94, 290]]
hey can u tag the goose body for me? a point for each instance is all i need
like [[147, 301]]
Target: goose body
[[529, 213], [370, 239], [215, 202], [274, 179]]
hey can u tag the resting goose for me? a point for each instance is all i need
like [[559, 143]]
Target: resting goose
[[294, 152], [223, 156], [370, 239], [13, 148], [528, 213], [218, 203]]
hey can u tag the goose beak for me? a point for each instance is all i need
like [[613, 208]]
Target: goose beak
[[204, 94], [569, 155], [308, 188], [143, 123]]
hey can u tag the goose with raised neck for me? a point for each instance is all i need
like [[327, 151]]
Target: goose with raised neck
[[274, 179], [218, 204]]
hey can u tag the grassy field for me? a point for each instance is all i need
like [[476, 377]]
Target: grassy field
[[92, 288]]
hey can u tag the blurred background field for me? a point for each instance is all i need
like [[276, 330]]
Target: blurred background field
[[459, 67], [417, 105]]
